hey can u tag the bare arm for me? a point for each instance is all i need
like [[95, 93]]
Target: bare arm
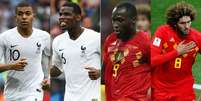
[[18, 66]]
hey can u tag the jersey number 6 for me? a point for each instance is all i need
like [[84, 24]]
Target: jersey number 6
[[63, 58]]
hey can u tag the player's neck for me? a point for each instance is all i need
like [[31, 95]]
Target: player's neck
[[127, 36], [25, 32], [75, 32]]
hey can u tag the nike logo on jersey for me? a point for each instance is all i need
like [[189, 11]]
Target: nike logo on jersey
[[61, 49], [12, 46]]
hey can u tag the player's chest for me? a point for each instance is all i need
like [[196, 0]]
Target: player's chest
[[76, 51], [171, 43], [31, 47], [124, 53]]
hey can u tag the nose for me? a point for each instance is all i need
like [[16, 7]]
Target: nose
[[61, 16], [115, 25], [187, 25], [24, 16]]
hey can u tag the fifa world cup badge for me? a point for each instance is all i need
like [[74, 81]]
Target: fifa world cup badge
[[38, 48], [83, 51]]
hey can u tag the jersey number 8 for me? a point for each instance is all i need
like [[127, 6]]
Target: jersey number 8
[[177, 63]]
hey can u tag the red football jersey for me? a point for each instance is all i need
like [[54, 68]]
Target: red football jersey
[[127, 69], [173, 73]]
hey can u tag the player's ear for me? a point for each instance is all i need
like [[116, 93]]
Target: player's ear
[[78, 17], [134, 20]]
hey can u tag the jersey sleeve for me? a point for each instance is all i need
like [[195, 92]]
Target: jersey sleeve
[[56, 60], [157, 58], [199, 42], [2, 47], [105, 48], [94, 54], [47, 48], [99, 51]]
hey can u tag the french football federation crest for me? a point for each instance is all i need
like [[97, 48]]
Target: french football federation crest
[[38, 50], [83, 51]]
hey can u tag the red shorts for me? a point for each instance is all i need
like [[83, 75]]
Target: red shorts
[[173, 96]]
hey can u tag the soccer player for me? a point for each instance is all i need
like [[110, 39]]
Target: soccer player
[[76, 52], [126, 58], [23, 48], [173, 51]]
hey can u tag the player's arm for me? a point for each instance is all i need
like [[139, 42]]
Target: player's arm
[[46, 65], [56, 68], [46, 55], [18, 65], [94, 71]]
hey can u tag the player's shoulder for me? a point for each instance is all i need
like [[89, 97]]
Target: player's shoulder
[[59, 38], [143, 36], [9, 32], [195, 32], [164, 27], [111, 37], [91, 33], [41, 33], [164, 31]]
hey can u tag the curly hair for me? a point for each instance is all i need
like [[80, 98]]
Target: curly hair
[[175, 12]]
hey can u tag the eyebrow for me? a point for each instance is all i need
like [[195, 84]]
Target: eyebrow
[[185, 21]]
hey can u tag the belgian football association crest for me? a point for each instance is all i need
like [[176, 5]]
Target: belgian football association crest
[[119, 55]]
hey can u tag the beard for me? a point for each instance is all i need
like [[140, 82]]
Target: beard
[[124, 36], [182, 32]]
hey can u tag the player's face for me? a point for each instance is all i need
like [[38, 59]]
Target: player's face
[[121, 23], [67, 18], [24, 17], [143, 23], [184, 25]]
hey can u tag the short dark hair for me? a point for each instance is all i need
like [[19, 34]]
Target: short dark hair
[[130, 9], [23, 4], [76, 8], [175, 12]]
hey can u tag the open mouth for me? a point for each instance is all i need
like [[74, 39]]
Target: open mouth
[[116, 30], [63, 24]]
